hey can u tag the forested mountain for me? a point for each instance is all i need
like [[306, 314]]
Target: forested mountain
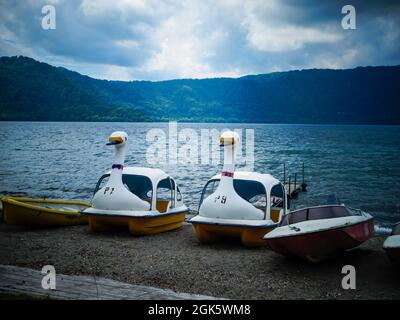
[[31, 90]]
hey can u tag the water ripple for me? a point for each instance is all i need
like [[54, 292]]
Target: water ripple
[[358, 163]]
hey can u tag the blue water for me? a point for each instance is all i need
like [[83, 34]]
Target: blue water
[[359, 164]]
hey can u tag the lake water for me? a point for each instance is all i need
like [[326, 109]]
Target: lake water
[[360, 164]]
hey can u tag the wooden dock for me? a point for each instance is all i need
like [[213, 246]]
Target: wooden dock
[[17, 280], [293, 190], [292, 185]]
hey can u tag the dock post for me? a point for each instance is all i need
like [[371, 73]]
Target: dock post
[[284, 173], [304, 184], [290, 194], [295, 185]]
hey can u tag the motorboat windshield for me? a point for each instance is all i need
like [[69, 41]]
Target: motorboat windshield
[[316, 213], [396, 229]]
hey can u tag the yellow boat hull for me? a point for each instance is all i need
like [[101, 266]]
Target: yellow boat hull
[[137, 226], [38, 212], [249, 236]]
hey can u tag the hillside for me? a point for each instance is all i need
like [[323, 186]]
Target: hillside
[[31, 90]]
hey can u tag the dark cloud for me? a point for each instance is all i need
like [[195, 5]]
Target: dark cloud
[[125, 39]]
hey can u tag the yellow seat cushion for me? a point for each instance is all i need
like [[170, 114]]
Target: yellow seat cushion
[[275, 214], [162, 205]]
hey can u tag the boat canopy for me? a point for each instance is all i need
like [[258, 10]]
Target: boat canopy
[[146, 182], [155, 175], [253, 187], [265, 179]]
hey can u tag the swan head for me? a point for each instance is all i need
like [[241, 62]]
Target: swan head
[[229, 138], [117, 138]]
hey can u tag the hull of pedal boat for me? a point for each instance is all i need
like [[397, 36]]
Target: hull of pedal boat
[[43, 213]]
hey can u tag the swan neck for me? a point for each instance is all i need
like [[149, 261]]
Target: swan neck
[[118, 165], [119, 158], [229, 165]]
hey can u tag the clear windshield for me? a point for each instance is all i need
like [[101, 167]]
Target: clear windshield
[[251, 191], [139, 185], [277, 196]]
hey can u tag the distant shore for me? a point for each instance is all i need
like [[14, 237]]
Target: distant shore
[[215, 122], [177, 261]]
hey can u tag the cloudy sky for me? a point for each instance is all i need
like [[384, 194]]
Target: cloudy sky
[[157, 40]]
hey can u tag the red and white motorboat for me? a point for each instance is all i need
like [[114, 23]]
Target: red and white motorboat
[[392, 244], [318, 233]]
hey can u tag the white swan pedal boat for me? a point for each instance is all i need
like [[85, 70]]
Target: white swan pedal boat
[[144, 200], [239, 204]]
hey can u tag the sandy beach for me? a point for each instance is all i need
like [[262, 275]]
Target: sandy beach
[[177, 261]]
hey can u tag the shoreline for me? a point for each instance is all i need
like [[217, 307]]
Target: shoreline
[[217, 123], [176, 260]]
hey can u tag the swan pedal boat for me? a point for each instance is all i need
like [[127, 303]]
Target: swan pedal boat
[[318, 233], [40, 212], [144, 200], [392, 244], [250, 186], [240, 204]]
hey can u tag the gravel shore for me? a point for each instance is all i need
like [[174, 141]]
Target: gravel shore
[[177, 261]]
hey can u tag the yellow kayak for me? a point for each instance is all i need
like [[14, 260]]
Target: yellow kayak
[[39, 212]]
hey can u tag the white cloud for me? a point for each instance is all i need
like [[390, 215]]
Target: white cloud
[[117, 73], [184, 48], [125, 9], [276, 39], [268, 32], [127, 43], [332, 60], [105, 7]]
